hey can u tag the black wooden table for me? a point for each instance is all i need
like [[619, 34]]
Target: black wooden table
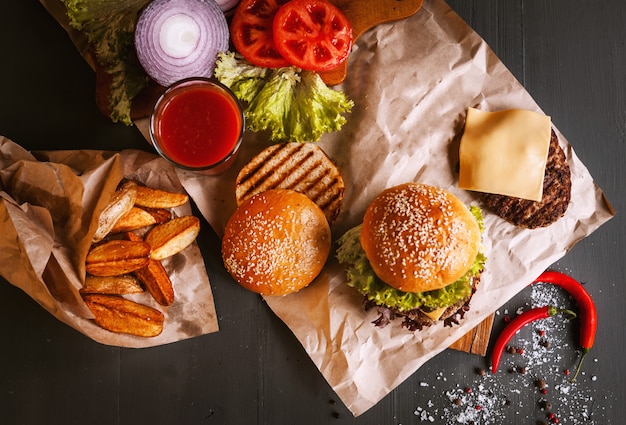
[[569, 55]]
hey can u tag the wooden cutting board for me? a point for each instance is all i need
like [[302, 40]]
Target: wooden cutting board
[[476, 341], [366, 14]]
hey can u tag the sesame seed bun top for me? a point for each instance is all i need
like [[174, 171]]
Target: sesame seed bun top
[[419, 238]]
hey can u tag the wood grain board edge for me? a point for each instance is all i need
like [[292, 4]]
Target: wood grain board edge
[[364, 15], [476, 341]]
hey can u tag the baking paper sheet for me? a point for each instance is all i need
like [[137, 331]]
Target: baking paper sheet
[[412, 82]]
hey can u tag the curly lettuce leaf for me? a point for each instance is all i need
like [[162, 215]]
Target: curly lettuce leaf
[[109, 26], [294, 105], [272, 105], [361, 276], [243, 78]]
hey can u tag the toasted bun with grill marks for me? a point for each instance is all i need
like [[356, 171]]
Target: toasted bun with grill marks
[[419, 238], [276, 242], [303, 167]]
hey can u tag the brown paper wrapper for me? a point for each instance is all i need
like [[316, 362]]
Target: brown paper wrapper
[[412, 82], [49, 206]]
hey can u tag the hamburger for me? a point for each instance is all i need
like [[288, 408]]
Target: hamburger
[[418, 255], [276, 242]]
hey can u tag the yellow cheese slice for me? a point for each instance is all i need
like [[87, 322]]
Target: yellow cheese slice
[[435, 314], [504, 152]]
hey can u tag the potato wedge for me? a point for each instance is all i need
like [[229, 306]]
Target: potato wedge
[[157, 282], [117, 314], [155, 278], [117, 285], [157, 198], [135, 218], [173, 236], [160, 215], [123, 200], [117, 257]]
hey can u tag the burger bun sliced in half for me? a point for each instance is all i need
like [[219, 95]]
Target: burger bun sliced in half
[[303, 167], [418, 254], [276, 242]]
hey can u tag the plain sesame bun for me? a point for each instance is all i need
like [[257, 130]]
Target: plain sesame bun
[[276, 242], [419, 238]]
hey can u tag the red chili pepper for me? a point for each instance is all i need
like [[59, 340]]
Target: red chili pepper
[[518, 323], [586, 307]]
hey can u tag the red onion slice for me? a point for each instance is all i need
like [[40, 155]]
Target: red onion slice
[[227, 5], [177, 39]]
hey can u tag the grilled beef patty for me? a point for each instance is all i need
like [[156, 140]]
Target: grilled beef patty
[[557, 188]]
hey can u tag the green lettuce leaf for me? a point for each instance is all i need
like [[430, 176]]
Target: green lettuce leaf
[[243, 78], [292, 104], [109, 26]]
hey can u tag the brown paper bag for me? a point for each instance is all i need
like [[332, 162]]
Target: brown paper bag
[[50, 202]]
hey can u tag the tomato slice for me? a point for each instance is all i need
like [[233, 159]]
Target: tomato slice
[[312, 34], [251, 32]]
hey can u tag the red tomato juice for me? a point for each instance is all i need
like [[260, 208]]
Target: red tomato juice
[[199, 127]]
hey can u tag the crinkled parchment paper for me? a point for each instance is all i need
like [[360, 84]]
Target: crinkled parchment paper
[[49, 204], [412, 82]]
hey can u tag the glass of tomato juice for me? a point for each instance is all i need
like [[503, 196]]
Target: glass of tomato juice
[[197, 124]]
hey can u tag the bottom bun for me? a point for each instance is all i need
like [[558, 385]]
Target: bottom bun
[[276, 242]]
